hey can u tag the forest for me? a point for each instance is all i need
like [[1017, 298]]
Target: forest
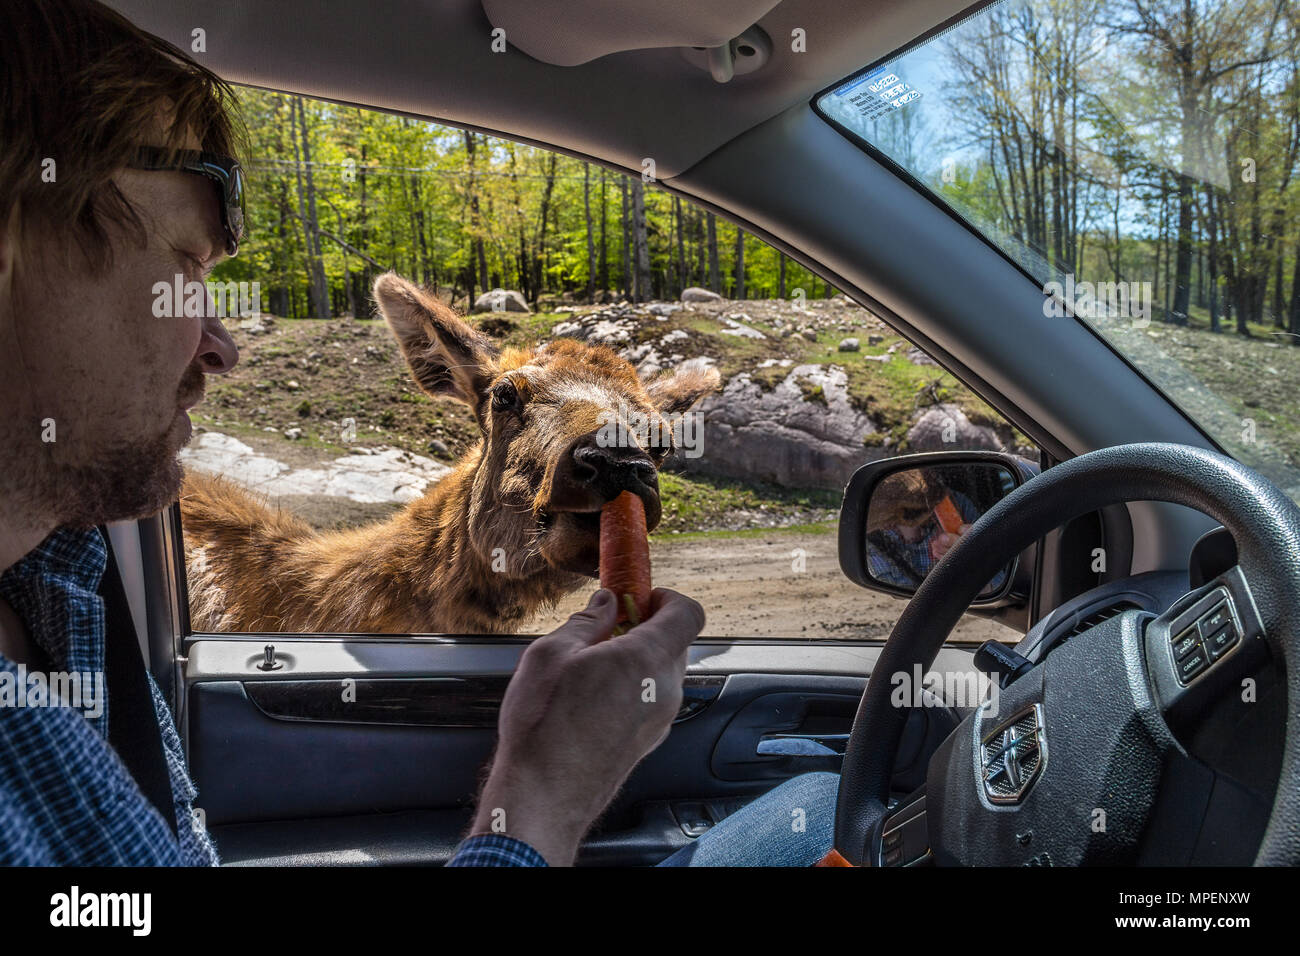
[[1151, 140], [339, 194], [1124, 140]]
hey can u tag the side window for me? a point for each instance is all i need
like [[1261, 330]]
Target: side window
[[405, 465]]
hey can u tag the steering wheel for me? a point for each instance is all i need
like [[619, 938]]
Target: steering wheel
[[1084, 735]]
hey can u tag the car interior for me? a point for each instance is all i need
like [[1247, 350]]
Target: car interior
[[1129, 673]]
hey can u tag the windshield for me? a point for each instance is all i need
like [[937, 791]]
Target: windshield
[[1138, 160]]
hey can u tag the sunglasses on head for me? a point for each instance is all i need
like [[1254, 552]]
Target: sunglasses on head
[[222, 171]]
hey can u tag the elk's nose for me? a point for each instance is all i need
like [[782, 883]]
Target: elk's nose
[[600, 471], [615, 468]]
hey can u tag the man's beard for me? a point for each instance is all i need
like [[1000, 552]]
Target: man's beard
[[127, 480]]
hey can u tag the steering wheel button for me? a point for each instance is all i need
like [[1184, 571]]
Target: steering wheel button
[[1192, 664], [1215, 619], [1186, 642], [1218, 643]]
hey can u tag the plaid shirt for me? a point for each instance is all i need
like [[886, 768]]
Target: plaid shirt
[[917, 554], [65, 796], [493, 849]]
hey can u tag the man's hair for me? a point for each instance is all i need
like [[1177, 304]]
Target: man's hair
[[80, 85]]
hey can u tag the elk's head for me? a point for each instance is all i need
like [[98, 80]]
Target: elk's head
[[566, 428]]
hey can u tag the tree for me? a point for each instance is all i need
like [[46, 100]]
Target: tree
[[318, 292]]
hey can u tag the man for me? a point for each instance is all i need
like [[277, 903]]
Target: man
[[116, 175]]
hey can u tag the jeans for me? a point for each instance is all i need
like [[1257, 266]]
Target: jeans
[[791, 825]]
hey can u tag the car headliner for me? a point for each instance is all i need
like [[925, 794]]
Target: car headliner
[[434, 58]]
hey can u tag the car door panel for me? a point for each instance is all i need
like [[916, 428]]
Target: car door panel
[[370, 751]]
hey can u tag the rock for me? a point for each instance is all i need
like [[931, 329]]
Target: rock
[[500, 300], [875, 339], [292, 385], [740, 329], [780, 436], [945, 427], [808, 334], [293, 434], [675, 335], [662, 309], [437, 447], [367, 476], [696, 294], [849, 345], [917, 357]]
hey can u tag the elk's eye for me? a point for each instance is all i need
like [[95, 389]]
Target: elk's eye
[[505, 397]]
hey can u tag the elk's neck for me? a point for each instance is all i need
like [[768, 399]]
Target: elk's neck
[[419, 572]]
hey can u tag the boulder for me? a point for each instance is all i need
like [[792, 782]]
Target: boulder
[[781, 436], [849, 345], [500, 300], [945, 427], [696, 294], [917, 357]]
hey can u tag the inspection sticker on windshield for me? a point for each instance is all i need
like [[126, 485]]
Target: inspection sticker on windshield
[[878, 93]]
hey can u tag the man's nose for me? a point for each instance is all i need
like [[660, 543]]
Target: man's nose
[[217, 352]]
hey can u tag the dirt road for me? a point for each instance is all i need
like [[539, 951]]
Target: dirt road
[[750, 587]]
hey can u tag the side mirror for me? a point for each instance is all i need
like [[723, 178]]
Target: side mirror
[[901, 515]]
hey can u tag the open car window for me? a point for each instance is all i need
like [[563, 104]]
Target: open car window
[[1138, 161], [371, 473]]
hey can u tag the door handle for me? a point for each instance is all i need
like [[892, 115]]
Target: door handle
[[802, 745]]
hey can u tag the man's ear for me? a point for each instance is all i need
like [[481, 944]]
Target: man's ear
[[676, 391], [445, 355]]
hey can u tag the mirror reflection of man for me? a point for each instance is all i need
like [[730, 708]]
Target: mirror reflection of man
[[906, 532]]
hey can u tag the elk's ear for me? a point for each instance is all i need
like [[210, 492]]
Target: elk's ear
[[676, 391], [445, 355]]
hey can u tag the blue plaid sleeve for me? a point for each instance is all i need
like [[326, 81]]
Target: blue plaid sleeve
[[495, 849]]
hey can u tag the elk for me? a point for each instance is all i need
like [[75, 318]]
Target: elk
[[509, 531]]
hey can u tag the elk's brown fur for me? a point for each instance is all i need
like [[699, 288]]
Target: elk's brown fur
[[482, 550]]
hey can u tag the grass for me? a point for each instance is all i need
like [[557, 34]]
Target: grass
[[698, 501]]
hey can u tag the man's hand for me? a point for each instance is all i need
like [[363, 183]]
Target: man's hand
[[943, 542], [580, 712]]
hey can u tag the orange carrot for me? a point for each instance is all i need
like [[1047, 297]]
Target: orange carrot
[[948, 515], [625, 557], [833, 858]]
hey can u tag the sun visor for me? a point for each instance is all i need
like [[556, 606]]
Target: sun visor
[[572, 32]]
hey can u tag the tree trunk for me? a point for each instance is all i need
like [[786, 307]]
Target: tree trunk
[[740, 263], [712, 221], [317, 289], [604, 248], [539, 245], [591, 236], [642, 245], [477, 249], [626, 254]]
